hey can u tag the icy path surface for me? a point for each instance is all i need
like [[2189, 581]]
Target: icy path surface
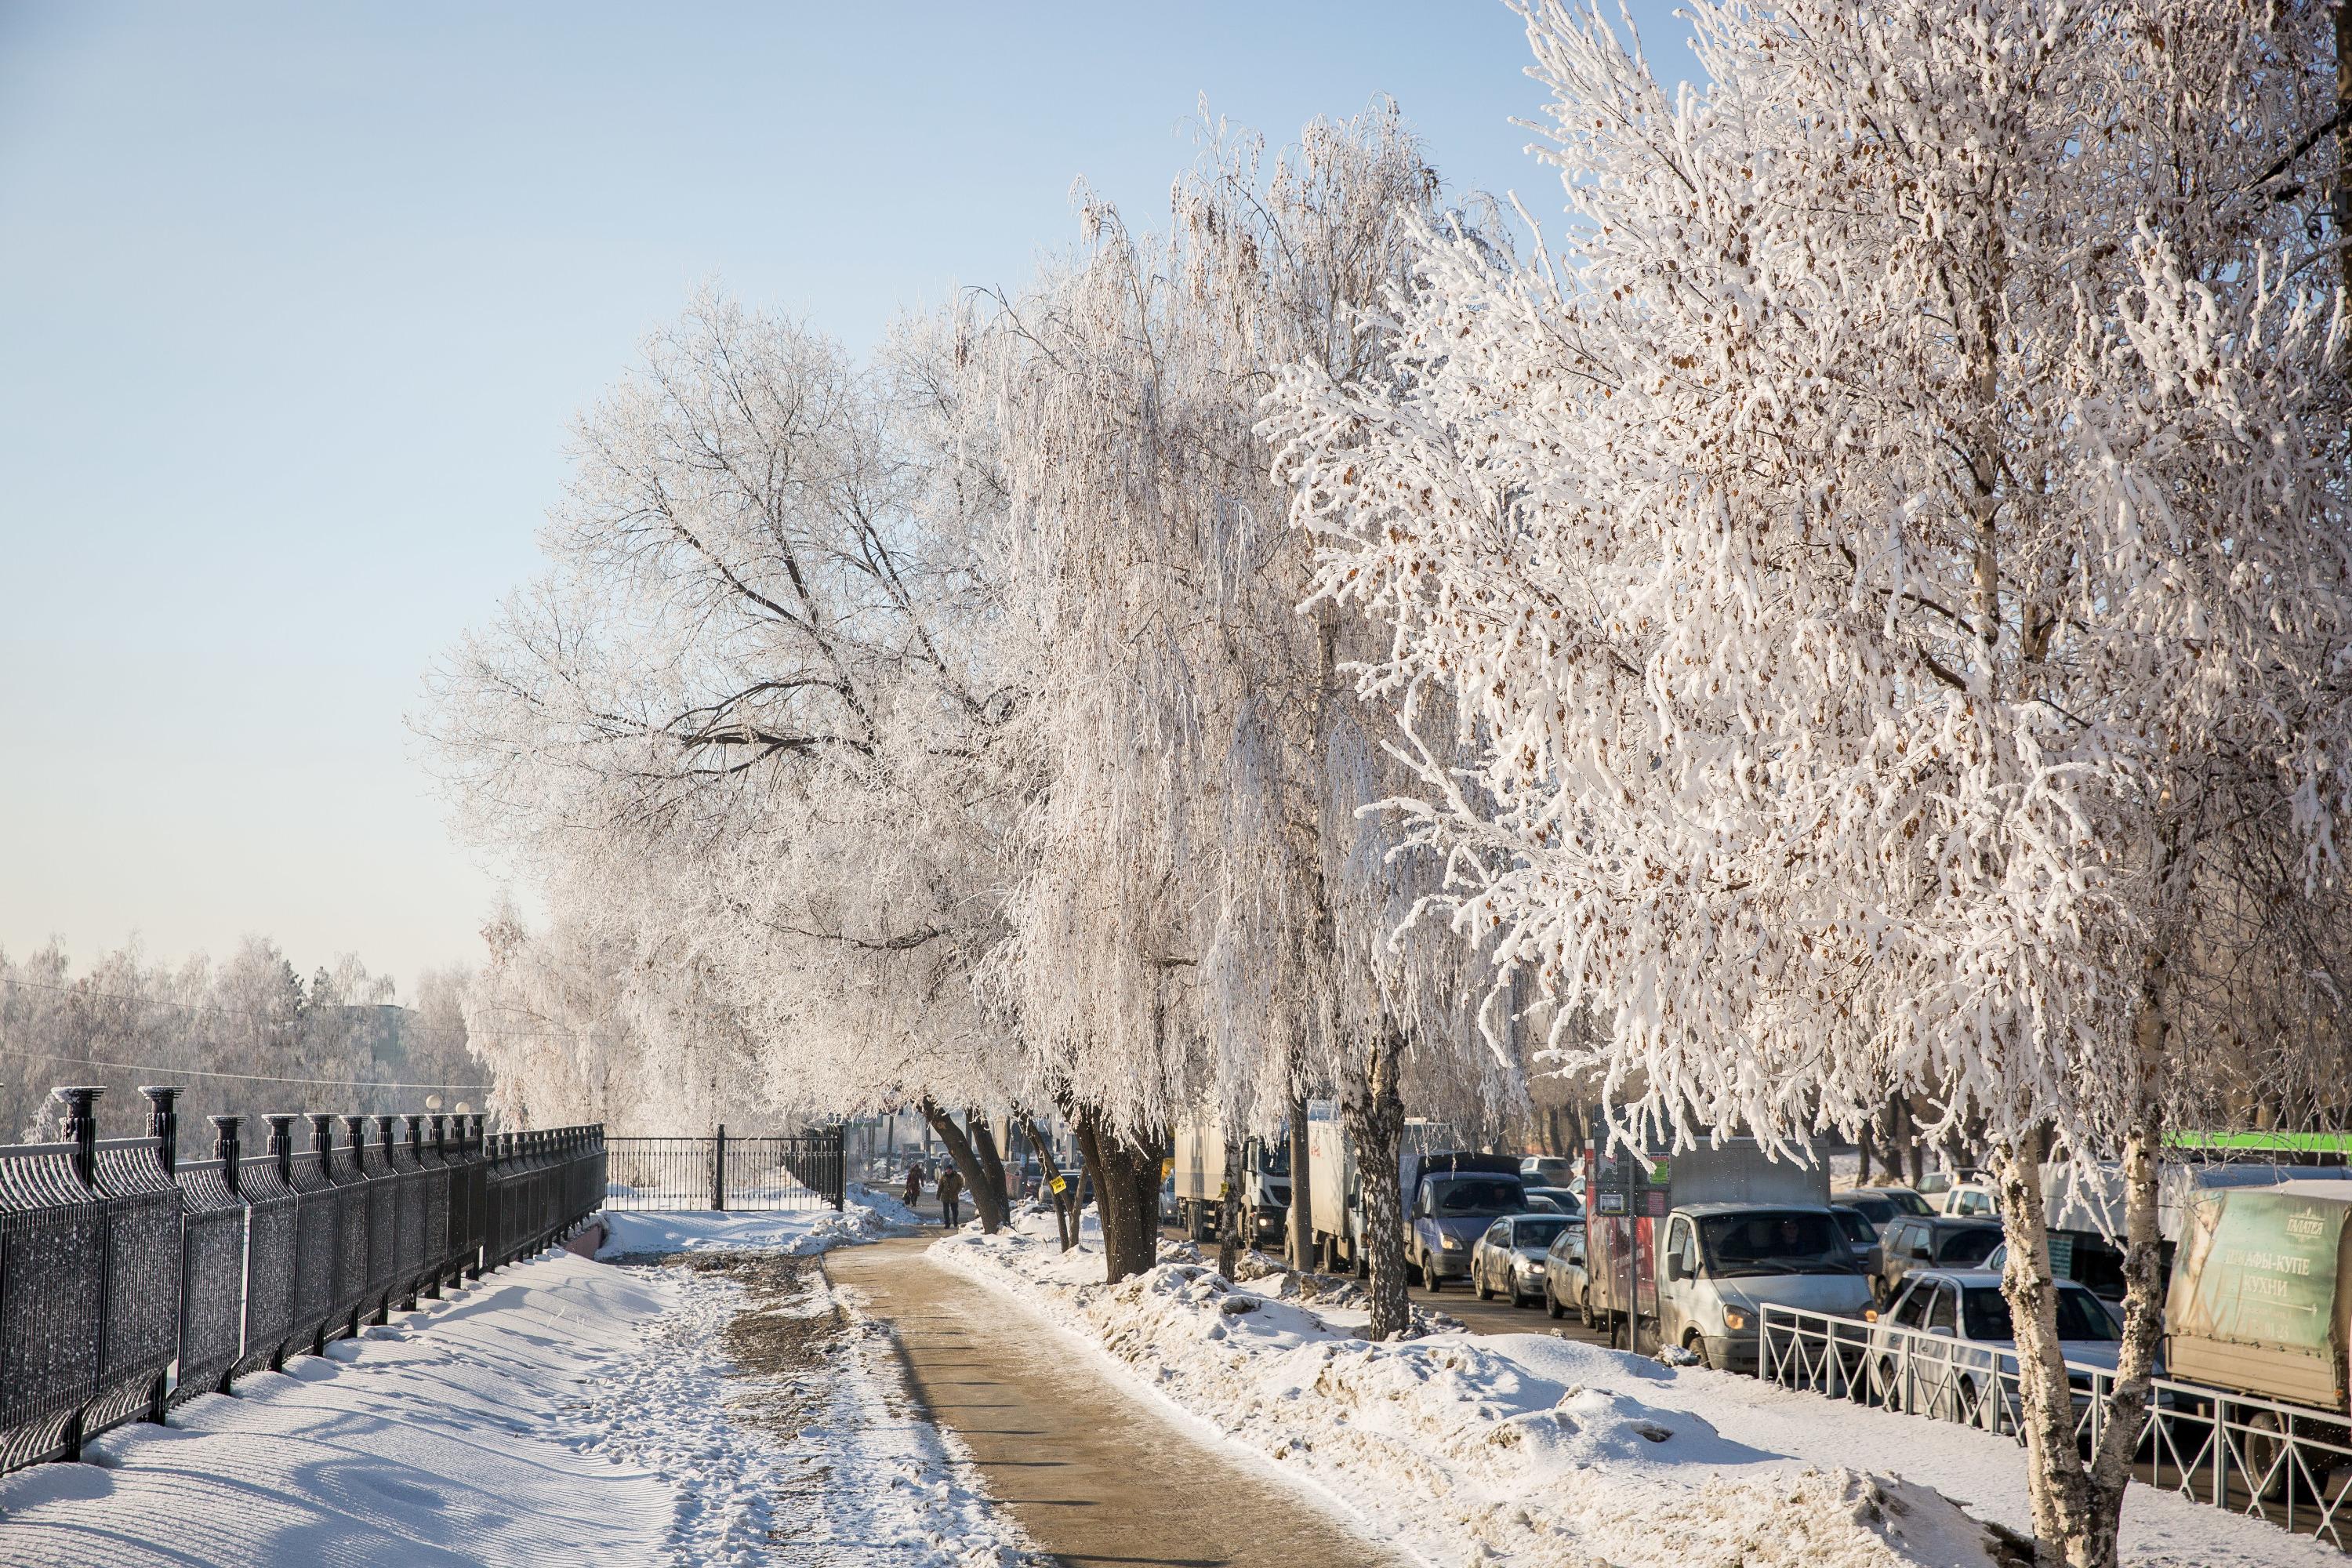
[[562, 1411]]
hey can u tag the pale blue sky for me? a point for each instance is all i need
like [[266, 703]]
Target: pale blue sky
[[296, 302]]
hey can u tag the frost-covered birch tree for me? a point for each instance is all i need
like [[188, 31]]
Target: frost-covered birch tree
[[1889, 558], [1204, 927], [738, 731]]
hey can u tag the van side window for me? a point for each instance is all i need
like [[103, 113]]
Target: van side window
[[1945, 1313], [1914, 1306], [1683, 1242], [1499, 1233]]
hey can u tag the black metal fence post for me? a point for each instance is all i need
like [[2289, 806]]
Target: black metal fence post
[[164, 1121], [719, 1170], [163, 1126], [82, 1134], [840, 1167], [81, 1128]]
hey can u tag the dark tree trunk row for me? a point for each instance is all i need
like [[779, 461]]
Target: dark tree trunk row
[[1065, 1202], [986, 1203], [1126, 1169]]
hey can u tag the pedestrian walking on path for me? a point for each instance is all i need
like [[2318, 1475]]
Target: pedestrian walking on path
[[914, 1182], [951, 1196]]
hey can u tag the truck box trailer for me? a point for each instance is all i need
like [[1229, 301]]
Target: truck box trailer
[[1198, 1172], [1335, 1191], [2261, 1295]]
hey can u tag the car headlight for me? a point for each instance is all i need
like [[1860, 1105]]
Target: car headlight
[[1734, 1320], [1450, 1245]]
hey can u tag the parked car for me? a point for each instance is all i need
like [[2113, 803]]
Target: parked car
[[1937, 1241], [1882, 1205], [1566, 1286], [1861, 1237], [1456, 1198], [1562, 1200], [1966, 1307], [1972, 1200], [1168, 1210], [1508, 1260], [1548, 1171]]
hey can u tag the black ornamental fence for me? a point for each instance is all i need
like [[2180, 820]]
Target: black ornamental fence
[[754, 1175], [131, 1279]]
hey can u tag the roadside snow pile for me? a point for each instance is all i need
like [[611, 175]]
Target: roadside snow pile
[[1535, 1450], [796, 1232]]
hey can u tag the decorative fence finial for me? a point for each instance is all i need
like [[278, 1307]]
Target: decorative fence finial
[[81, 1128], [163, 1120], [225, 1147]]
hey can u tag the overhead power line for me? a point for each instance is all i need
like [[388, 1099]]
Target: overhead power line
[[163, 1073]]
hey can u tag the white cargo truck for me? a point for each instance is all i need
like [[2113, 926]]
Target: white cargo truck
[[1335, 1195], [1199, 1174], [1689, 1251]]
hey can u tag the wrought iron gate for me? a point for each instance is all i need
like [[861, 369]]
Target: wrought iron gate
[[760, 1174]]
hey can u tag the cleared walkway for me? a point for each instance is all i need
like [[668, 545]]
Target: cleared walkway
[[1095, 1475]]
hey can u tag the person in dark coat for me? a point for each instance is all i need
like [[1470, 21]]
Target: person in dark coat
[[950, 1198], [914, 1182]]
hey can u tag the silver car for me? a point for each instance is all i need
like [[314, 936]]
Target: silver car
[[1566, 1286], [1508, 1260], [1959, 1362]]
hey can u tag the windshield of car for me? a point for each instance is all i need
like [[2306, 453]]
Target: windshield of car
[[1855, 1223], [1551, 1172], [1875, 1209], [1465, 1197], [1965, 1246], [2080, 1316], [1275, 1162], [1559, 1196], [1910, 1203], [1537, 1232], [1774, 1241]]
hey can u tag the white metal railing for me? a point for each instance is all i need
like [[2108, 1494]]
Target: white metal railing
[[2288, 1464]]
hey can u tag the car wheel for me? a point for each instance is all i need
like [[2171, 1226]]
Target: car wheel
[[1430, 1276], [1478, 1285], [1696, 1343], [1551, 1303], [1584, 1307], [1890, 1386]]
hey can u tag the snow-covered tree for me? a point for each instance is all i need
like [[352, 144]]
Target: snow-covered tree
[[1203, 925], [1887, 558], [738, 733]]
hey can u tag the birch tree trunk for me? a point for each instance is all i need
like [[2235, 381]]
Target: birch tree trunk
[[1230, 1208], [1373, 1114], [1302, 1209]]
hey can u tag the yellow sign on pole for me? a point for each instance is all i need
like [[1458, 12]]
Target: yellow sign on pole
[[1058, 1185]]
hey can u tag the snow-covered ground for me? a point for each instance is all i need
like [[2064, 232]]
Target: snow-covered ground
[[713, 1411], [866, 1215], [1535, 1450]]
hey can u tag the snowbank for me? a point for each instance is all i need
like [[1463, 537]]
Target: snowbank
[[868, 1216], [562, 1411], [436, 1439], [1550, 1452]]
